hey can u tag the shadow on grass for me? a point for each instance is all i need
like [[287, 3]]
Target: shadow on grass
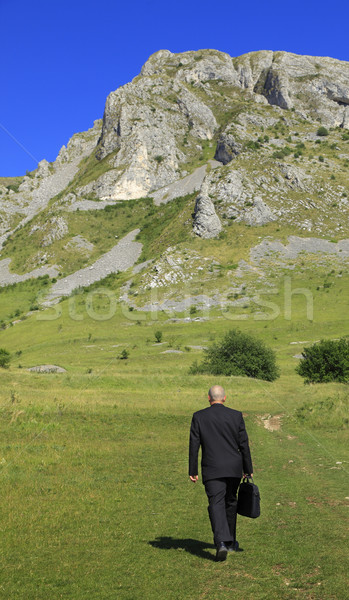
[[189, 545]]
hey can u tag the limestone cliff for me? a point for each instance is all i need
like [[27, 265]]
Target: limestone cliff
[[260, 138]]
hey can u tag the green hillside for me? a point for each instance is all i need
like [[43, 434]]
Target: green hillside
[[94, 461], [96, 501]]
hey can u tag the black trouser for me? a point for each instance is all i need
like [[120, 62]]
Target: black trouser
[[221, 494]]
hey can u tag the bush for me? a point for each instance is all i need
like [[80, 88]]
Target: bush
[[14, 187], [158, 336], [5, 358], [322, 131], [239, 354], [251, 145], [327, 360], [286, 151], [124, 354]]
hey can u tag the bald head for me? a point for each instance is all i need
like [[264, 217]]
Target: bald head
[[216, 394]]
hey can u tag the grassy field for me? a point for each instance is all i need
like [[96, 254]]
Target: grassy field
[[96, 501]]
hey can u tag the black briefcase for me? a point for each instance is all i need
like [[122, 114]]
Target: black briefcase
[[249, 499]]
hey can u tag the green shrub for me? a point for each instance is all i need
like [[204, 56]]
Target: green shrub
[[286, 151], [322, 131], [251, 145], [124, 354], [5, 358], [14, 187], [327, 360], [239, 354], [158, 336]]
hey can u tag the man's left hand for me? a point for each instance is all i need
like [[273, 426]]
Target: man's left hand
[[194, 478]]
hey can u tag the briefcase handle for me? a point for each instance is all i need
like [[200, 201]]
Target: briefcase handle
[[247, 479]]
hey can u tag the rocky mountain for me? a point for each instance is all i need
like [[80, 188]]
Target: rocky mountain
[[255, 141]]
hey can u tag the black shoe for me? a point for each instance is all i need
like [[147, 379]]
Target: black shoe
[[222, 551], [233, 547]]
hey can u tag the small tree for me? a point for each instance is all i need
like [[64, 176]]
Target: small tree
[[124, 354], [5, 358], [327, 360], [158, 336], [322, 131], [239, 354]]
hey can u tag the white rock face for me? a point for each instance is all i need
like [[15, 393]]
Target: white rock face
[[173, 268], [48, 180], [295, 177], [227, 148], [345, 122], [144, 124], [56, 228], [146, 120], [317, 86], [189, 184], [200, 117], [206, 221], [158, 131], [258, 214]]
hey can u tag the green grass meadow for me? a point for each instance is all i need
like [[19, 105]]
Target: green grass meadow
[[95, 498]]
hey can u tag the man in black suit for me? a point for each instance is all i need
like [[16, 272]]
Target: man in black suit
[[221, 433]]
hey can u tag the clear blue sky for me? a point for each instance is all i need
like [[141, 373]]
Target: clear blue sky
[[60, 59]]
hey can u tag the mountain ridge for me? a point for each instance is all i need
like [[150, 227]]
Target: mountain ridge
[[258, 140]]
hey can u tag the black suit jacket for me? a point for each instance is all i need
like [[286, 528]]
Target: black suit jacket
[[221, 433]]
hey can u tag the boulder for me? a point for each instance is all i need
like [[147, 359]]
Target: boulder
[[258, 214], [206, 222], [227, 148]]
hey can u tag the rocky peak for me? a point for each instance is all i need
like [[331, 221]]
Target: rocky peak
[[161, 131]]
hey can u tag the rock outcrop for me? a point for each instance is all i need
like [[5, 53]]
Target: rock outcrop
[[206, 221], [258, 214], [56, 229], [227, 148], [258, 115], [146, 121], [48, 180]]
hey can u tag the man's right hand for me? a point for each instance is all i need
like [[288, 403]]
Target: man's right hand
[[194, 478]]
